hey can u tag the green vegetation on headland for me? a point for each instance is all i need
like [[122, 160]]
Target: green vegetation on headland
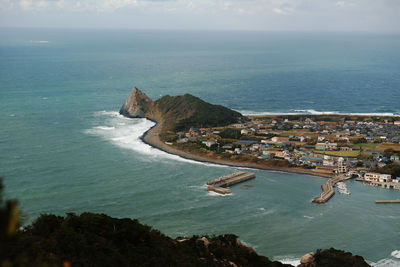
[[178, 113], [99, 240]]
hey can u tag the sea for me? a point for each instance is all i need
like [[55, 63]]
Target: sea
[[64, 147]]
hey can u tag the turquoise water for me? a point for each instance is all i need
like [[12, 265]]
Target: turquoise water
[[64, 148]]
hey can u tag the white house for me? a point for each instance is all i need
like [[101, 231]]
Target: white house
[[209, 143], [377, 177]]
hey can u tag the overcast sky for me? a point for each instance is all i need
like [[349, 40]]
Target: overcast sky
[[288, 15]]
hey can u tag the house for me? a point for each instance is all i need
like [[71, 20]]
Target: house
[[277, 139], [377, 177], [228, 146], [303, 139], [266, 153], [209, 143], [395, 158], [238, 150], [282, 154], [182, 140], [326, 146], [311, 161], [328, 162], [255, 147], [244, 132]]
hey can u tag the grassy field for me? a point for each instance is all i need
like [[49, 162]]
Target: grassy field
[[351, 154], [287, 134], [366, 146], [383, 147], [377, 147]]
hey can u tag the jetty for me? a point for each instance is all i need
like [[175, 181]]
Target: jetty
[[221, 185], [390, 201], [328, 189]]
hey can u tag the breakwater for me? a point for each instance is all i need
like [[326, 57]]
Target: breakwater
[[389, 201], [221, 184], [328, 189]]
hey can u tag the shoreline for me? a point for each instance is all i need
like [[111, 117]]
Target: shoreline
[[151, 138]]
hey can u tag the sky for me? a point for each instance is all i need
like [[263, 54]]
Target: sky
[[266, 15]]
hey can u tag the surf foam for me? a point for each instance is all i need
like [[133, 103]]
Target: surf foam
[[315, 112], [126, 132]]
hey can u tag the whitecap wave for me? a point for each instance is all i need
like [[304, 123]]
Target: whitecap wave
[[264, 211], [215, 194], [126, 133], [288, 260], [396, 254], [39, 41], [308, 217], [386, 263], [393, 261], [315, 112]]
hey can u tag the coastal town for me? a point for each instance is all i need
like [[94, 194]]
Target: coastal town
[[362, 147]]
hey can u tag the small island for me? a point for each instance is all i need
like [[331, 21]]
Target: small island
[[330, 146]]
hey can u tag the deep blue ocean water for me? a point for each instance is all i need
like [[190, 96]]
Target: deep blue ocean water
[[64, 148]]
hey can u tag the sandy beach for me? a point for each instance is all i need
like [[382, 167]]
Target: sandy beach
[[151, 137]]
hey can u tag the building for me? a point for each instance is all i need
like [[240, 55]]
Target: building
[[395, 158], [209, 143], [342, 166], [277, 139], [282, 154], [382, 180], [326, 146], [244, 131], [377, 177]]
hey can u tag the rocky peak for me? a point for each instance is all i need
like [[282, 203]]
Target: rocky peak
[[136, 105]]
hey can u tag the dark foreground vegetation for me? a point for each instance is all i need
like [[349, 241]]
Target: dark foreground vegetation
[[99, 240]]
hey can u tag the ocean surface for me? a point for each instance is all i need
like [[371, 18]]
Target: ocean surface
[[64, 147]]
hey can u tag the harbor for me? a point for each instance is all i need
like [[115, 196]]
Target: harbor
[[221, 185]]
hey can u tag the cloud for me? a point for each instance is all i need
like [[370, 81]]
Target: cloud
[[344, 4], [6, 4], [279, 11], [25, 4], [42, 4], [321, 15], [60, 4]]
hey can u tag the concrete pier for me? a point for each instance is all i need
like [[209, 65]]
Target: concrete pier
[[390, 201], [328, 189], [221, 184]]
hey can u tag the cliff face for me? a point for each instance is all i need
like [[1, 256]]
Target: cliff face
[[178, 112], [136, 105]]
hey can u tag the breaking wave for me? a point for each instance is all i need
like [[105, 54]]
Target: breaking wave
[[126, 133], [315, 112]]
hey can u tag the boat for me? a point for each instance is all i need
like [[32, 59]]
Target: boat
[[342, 188]]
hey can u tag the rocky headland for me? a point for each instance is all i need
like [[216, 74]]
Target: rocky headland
[[176, 113]]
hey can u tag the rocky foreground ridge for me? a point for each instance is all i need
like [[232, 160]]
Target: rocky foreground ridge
[[178, 112]]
